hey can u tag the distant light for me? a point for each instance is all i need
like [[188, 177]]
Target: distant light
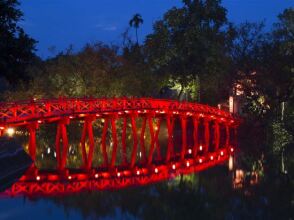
[[231, 104], [10, 132], [200, 147], [118, 174], [231, 163], [200, 160], [174, 166], [156, 170], [211, 157], [69, 177], [187, 163], [39, 121], [48, 150], [232, 149], [126, 111], [96, 175], [138, 172], [222, 153], [139, 111], [140, 154], [97, 115], [55, 154], [1, 128], [190, 151], [38, 178], [156, 128], [71, 117]]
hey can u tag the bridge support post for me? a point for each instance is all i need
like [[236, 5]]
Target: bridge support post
[[154, 139], [195, 135], [114, 139], [103, 142], [170, 144], [206, 134], [135, 141], [123, 140], [184, 136], [216, 134], [87, 129], [61, 135], [32, 140], [227, 135], [142, 140]]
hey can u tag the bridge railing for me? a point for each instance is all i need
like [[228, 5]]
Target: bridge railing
[[13, 112]]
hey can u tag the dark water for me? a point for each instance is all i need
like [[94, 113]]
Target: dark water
[[216, 193], [207, 195]]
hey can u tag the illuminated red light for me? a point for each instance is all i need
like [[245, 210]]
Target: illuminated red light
[[187, 163]]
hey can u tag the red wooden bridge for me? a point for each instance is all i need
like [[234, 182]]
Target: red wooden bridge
[[212, 131]]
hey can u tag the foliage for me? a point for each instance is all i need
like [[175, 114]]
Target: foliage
[[135, 22], [16, 47], [192, 42]]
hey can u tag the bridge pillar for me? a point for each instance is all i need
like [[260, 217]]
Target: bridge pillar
[[170, 129], [216, 135], [154, 139], [123, 140], [87, 129], [135, 141], [142, 140], [103, 142], [195, 135], [61, 135], [206, 134], [32, 139], [114, 139], [184, 135], [227, 135]]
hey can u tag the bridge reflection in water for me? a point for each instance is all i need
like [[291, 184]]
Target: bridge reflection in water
[[207, 138]]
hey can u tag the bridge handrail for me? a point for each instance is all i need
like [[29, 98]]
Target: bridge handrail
[[23, 110]]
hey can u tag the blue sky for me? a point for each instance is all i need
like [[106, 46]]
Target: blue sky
[[60, 23]]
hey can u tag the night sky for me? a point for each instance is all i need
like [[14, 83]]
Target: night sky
[[59, 23]]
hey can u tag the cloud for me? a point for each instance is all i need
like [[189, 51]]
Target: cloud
[[110, 28], [106, 27]]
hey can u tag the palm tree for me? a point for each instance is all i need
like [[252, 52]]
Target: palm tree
[[135, 22]]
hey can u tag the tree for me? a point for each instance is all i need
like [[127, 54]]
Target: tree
[[135, 22], [16, 47], [191, 43]]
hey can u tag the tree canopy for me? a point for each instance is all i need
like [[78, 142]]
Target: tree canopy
[[16, 47]]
